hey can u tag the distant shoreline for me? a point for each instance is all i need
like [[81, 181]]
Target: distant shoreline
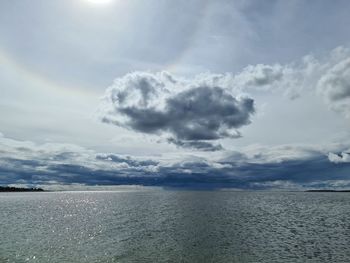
[[329, 191], [19, 189], [23, 189]]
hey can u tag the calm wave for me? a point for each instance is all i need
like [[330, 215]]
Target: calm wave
[[174, 226]]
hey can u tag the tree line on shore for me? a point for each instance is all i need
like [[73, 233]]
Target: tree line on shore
[[19, 189]]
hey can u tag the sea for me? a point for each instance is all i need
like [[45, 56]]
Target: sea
[[162, 225]]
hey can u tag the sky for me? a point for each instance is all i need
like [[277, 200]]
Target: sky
[[242, 94]]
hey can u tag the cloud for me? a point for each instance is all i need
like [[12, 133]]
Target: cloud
[[335, 86], [196, 113], [326, 75], [200, 145], [27, 162], [343, 157], [261, 154], [254, 167], [127, 160], [259, 75], [192, 113]]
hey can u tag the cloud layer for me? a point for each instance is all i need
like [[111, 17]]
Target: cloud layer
[[255, 167], [191, 113]]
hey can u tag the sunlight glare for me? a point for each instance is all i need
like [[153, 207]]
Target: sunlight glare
[[100, 1]]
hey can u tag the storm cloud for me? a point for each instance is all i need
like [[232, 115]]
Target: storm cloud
[[259, 167], [190, 114]]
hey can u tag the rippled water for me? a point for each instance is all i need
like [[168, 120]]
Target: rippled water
[[174, 226]]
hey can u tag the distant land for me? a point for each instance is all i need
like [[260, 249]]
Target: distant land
[[19, 189], [23, 189], [328, 190]]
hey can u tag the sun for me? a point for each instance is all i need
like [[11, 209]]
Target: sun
[[100, 1]]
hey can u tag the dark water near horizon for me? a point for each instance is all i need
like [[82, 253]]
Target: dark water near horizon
[[174, 226]]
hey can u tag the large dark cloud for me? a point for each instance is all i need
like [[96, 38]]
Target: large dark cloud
[[302, 173], [191, 114]]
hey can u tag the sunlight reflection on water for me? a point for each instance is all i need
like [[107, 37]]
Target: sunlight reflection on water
[[174, 226]]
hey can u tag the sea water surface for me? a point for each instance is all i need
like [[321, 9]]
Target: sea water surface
[[174, 226]]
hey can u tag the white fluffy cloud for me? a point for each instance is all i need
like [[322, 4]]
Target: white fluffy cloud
[[328, 76], [343, 157], [335, 86]]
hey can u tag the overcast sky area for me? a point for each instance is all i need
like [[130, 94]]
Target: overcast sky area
[[244, 94]]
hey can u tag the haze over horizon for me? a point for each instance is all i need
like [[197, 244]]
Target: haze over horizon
[[242, 94]]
